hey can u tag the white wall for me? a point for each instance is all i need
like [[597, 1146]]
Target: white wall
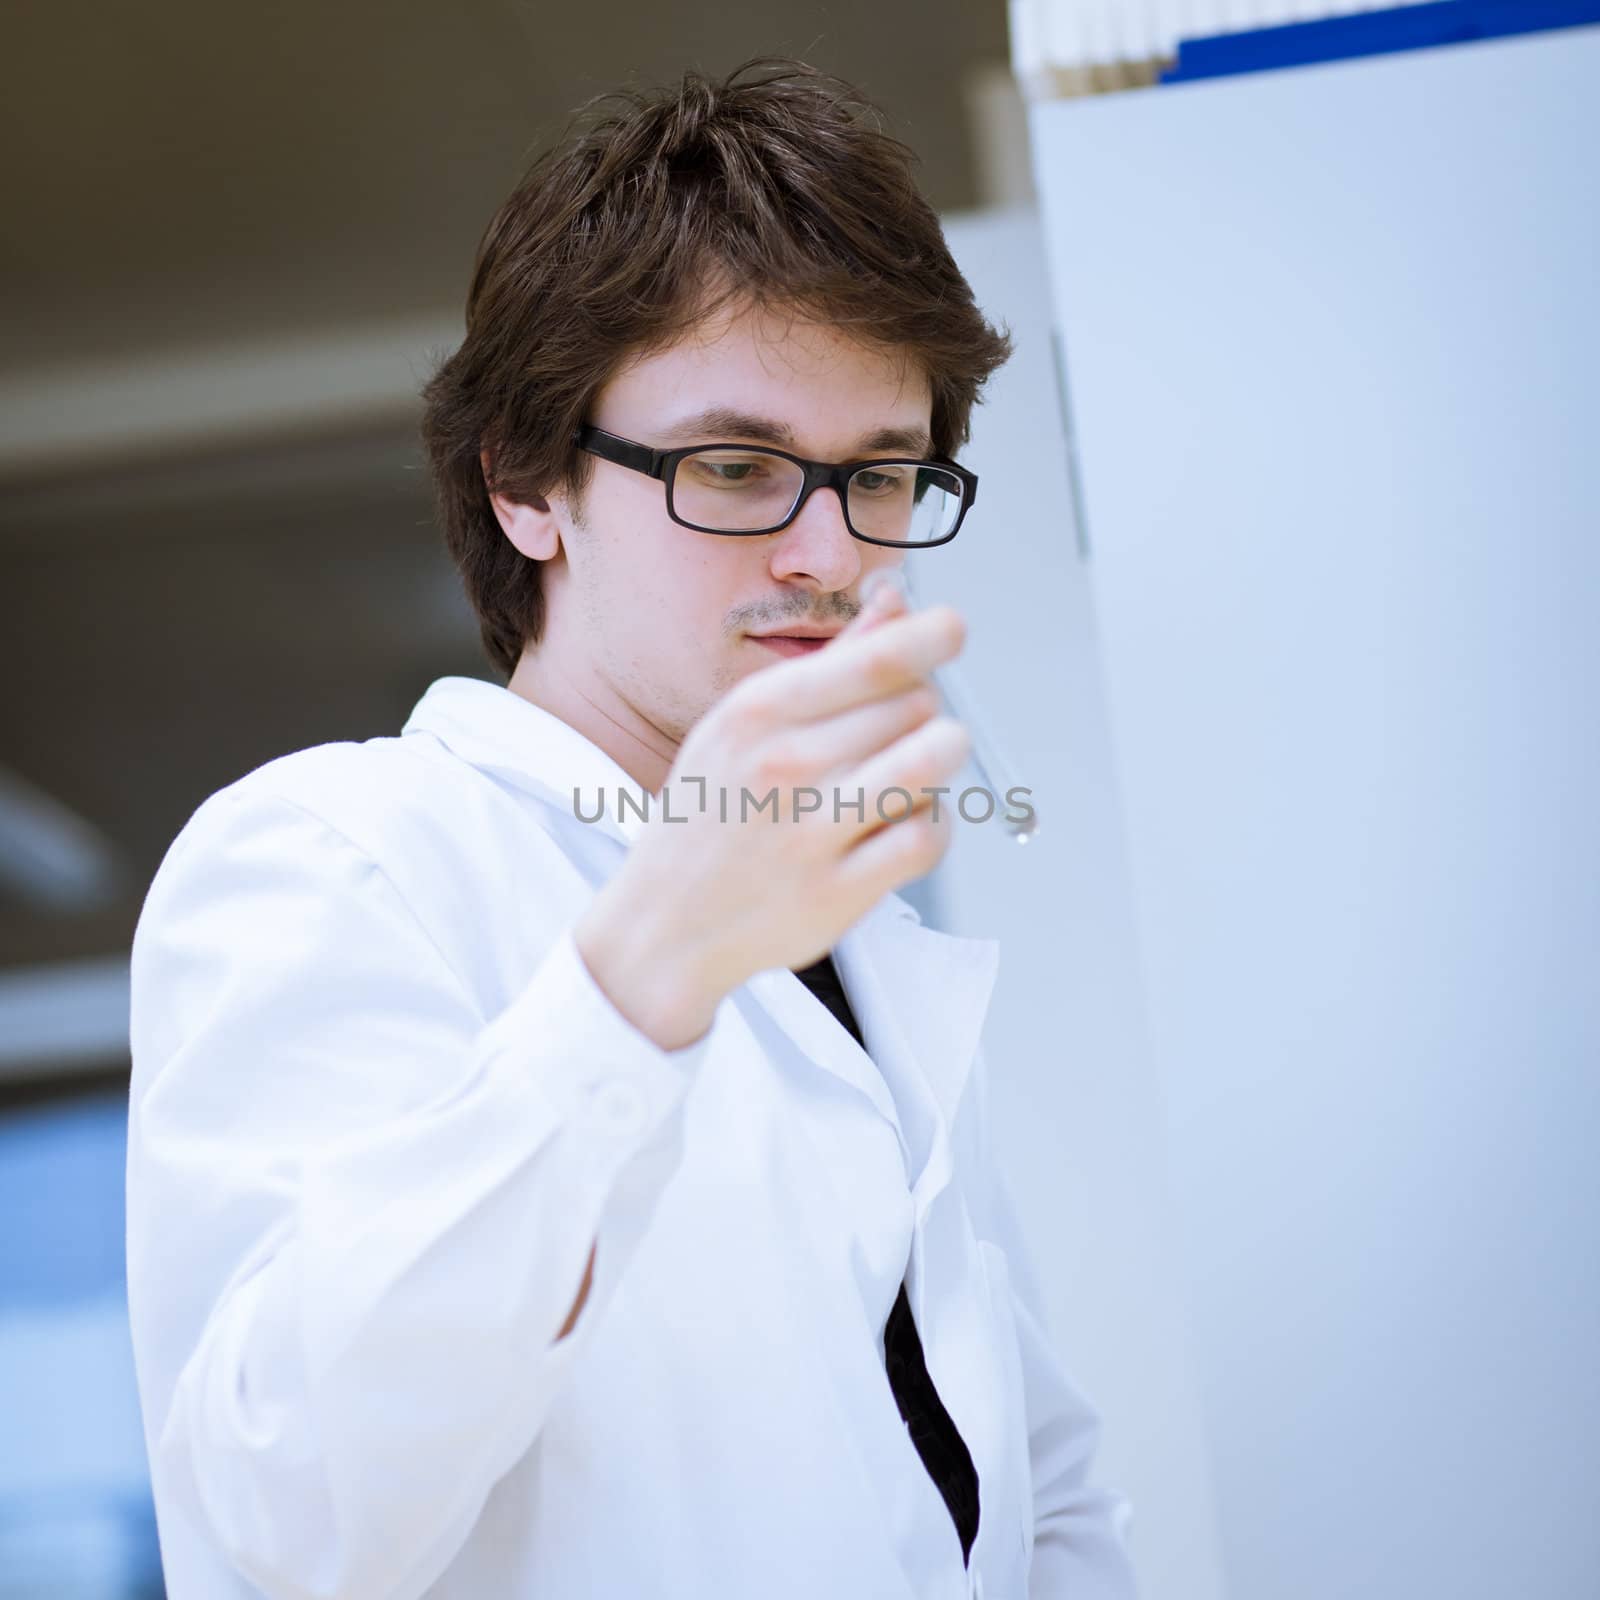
[[1333, 339], [1076, 1104]]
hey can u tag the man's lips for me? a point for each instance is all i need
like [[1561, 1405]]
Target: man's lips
[[799, 639], [804, 630], [792, 644]]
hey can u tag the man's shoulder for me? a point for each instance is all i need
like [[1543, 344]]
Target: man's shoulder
[[384, 797], [358, 834], [344, 784]]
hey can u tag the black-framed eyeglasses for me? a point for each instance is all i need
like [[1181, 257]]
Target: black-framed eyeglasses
[[744, 489]]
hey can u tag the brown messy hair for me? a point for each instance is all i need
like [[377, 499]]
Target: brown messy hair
[[776, 184]]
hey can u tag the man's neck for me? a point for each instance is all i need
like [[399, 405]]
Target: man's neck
[[596, 711]]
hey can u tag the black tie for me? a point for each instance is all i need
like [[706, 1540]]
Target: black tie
[[944, 1452]]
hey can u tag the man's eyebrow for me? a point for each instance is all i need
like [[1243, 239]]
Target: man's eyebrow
[[725, 422]]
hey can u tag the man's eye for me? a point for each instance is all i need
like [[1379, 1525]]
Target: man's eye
[[879, 482], [728, 472]]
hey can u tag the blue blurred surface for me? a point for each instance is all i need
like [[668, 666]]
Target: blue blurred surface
[[76, 1521]]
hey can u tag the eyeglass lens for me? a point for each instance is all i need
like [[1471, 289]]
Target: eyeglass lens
[[735, 491]]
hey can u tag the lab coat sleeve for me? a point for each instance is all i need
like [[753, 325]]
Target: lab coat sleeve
[[1079, 1550], [359, 1211]]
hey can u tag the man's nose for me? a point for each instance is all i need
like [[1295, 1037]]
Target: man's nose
[[818, 545]]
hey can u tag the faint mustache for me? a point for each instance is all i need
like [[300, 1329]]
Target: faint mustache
[[841, 615]]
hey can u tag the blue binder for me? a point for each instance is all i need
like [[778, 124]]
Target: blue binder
[[1371, 33]]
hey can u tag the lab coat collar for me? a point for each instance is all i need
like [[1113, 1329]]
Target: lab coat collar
[[919, 995], [498, 731]]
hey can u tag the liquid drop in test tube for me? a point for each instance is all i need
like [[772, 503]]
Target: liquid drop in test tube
[[986, 758]]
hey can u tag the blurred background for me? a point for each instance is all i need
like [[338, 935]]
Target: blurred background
[[1280, 594]]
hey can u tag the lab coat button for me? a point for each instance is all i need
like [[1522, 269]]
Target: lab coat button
[[616, 1107]]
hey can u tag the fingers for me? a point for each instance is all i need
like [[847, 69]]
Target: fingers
[[888, 658], [922, 760], [842, 743], [895, 854]]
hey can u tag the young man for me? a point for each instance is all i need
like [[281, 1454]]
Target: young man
[[529, 1205]]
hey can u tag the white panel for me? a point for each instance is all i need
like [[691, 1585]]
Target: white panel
[[1334, 357], [1076, 1108]]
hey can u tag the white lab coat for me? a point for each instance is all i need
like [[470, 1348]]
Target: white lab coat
[[380, 1111]]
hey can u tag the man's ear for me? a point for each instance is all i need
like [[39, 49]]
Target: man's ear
[[530, 525]]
